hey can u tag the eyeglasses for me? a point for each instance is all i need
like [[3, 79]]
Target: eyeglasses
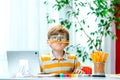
[[58, 37]]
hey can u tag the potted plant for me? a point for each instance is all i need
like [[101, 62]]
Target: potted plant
[[104, 12]]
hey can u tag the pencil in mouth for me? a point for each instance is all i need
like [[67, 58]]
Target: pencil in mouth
[[64, 42]]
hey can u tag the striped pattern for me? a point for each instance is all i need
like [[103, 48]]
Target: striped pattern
[[49, 64]]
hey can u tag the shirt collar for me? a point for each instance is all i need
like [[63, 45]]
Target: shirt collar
[[53, 57]]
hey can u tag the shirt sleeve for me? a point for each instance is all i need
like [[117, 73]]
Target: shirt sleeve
[[77, 63]]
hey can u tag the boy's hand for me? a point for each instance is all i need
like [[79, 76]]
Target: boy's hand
[[78, 71]]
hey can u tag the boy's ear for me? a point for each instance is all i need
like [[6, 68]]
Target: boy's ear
[[48, 42]]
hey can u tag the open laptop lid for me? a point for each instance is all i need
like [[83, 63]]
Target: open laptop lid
[[19, 59]]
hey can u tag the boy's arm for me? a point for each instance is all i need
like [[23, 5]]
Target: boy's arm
[[77, 63], [41, 68]]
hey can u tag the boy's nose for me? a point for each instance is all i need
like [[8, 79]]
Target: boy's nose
[[59, 39]]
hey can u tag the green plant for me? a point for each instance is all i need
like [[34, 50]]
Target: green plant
[[105, 16], [104, 12], [79, 51]]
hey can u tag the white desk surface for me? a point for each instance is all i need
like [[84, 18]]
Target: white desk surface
[[108, 77]]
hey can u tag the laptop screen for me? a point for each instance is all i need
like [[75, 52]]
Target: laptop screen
[[25, 61]]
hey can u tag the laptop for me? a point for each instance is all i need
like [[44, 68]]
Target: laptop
[[23, 61]]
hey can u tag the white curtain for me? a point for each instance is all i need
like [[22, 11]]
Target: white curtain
[[19, 28], [110, 48], [4, 34], [24, 25]]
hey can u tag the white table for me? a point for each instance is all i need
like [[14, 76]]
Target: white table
[[63, 78]]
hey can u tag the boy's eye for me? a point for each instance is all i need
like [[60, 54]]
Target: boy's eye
[[56, 37], [62, 37], [53, 37]]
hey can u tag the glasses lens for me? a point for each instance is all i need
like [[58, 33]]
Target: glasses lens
[[58, 37]]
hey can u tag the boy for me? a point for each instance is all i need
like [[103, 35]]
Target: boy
[[59, 61]]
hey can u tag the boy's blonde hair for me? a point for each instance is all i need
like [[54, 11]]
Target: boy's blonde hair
[[58, 29]]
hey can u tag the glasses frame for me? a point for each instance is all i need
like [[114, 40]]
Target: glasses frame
[[58, 37]]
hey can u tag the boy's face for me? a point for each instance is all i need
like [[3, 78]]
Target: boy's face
[[58, 42]]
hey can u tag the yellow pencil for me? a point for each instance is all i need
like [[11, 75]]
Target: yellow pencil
[[65, 42]]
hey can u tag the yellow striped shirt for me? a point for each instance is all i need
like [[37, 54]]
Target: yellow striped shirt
[[50, 64]]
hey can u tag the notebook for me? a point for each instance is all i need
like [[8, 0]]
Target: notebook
[[25, 61]]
